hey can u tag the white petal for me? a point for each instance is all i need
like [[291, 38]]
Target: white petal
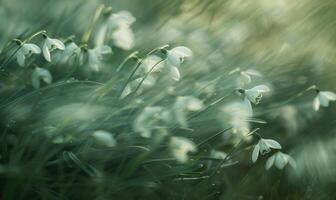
[[123, 38], [316, 103], [126, 92], [291, 161], [126, 17], [270, 162], [93, 60], [280, 161], [252, 72], [33, 48], [104, 49], [46, 53], [173, 59], [175, 73], [104, 138], [20, 58], [324, 101], [182, 51], [245, 78], [58, 43], [329, 95], [272, 143], [248, 105], [255, 153], [253, 95], [40, 74], [261, 88]]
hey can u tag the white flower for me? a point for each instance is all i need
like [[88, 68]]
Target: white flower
[[103, 138], [180, 147], [236, 115], [49, 45], [218, 155], [246, 76], [323, 98], [123, 37], [40, 74], [264, 146], [255, 94], [175, 57], [280, 160], [117, 28], [70, 50], [96, 55], [151, 64], [147, 120], [25, 51], [183, 104]]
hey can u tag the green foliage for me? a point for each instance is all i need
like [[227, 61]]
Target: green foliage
[[167, 100]]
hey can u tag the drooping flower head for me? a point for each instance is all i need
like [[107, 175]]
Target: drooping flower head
[[26, 50], [263, 147], [147, 120], [180, 147], [245, 76], [39, 75], [117, 27], [175, 57], [95, 56], [323, 98], [49, 45], [71, 51], [184, 104], [103, 139], [254, 94], [280, 160]]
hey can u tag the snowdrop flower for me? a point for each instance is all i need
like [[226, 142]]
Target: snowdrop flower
[[184, 104], [94, 56], [245, 76], [218, 155], [149, 62], [175, 57], [254, 94], [40, 74], [264, 146], [180, 147], [323, 98], [236, 115], [25, 51], [280, 160], [147, 120], [150, 65], [70, 50], [103, 138], [117, 28], [123, 37], [49, 45]]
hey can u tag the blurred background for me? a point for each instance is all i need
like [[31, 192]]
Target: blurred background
[[291, 43]]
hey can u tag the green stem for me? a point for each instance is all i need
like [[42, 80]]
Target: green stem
[[87, 34]]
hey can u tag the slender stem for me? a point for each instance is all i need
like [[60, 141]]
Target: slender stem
[[87, 34], [147, 74]]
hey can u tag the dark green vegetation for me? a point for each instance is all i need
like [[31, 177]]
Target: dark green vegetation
[[137, 120]]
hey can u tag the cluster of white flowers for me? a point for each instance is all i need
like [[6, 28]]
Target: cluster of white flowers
[[27, 49], [152, 65], [159, 117]]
